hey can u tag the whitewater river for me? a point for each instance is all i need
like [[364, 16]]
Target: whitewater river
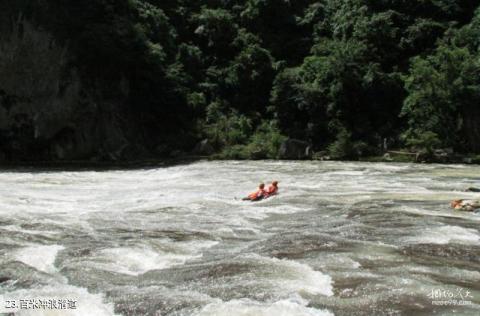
[[340, 239]]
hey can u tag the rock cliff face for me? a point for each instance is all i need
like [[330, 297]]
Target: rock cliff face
[[48, 113]]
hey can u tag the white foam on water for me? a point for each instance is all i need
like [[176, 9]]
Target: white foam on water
[[305, 279], [345, 173], [338, 261], [85, 303], [447, 234], [136, 261], [18, 229], [194, 246], [225, 232], [140, 259], [41, 258], [261, 211], [245, 307], [292, 277], [447, 212]]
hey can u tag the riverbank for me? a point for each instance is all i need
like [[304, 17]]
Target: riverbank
[[99, 165], [442, 157], [395, 156]]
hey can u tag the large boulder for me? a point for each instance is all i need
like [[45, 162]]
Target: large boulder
[[204, 148], [295, 149]]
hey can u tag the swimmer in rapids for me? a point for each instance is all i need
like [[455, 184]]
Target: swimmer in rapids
[[465, 205], [257, 195], [261, 193], [272, 189]]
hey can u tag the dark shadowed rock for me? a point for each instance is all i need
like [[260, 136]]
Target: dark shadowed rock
[[203, 148], [294, 246], [467, 190], [295, 149]]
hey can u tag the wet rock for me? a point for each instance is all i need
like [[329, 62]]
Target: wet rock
[[48, 112], [296, 247], [24, 276], [295, 149], [472, 190], [387, 157], [423, 156], [131, 152], [227, 269], [258, 154], [204, 148], [443, 155], [445, 254]]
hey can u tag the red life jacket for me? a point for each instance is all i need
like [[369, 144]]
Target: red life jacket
[[272, 190], [257, 194]]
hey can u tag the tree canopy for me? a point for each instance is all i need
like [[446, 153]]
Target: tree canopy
[[342, 75]]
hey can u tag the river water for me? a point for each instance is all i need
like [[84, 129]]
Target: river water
[[339, 239]]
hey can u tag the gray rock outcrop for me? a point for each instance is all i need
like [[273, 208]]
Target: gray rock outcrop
[[295, 149], [204, 148]]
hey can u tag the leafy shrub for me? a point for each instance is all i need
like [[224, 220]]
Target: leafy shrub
[[427, 141], [345, 148], [263, 144], [227, 130]]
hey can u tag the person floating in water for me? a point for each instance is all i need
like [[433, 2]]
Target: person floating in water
[[465, 205], [257, 195], [272, 189], [261, 193]]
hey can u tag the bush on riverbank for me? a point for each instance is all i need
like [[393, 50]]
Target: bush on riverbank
[[264, 143]]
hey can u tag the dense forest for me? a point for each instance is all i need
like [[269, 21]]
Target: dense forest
[[108, 80]]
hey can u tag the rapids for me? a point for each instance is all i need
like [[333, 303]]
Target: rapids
[[339, 239]]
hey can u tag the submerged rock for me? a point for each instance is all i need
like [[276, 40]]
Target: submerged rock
[[445, 253]]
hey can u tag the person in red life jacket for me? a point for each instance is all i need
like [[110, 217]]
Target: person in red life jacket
[[272, 189], [465, 205], [257, 195]]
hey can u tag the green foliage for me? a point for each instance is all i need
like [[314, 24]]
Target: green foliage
[[249, 78], [337, 88], [444, 93], [340, 74], [227, 130], [427, 141], [345, 148], [264, 143], [277, 24], [217, 30]]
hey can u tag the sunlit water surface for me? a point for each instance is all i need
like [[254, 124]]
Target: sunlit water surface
[[339, 239]]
